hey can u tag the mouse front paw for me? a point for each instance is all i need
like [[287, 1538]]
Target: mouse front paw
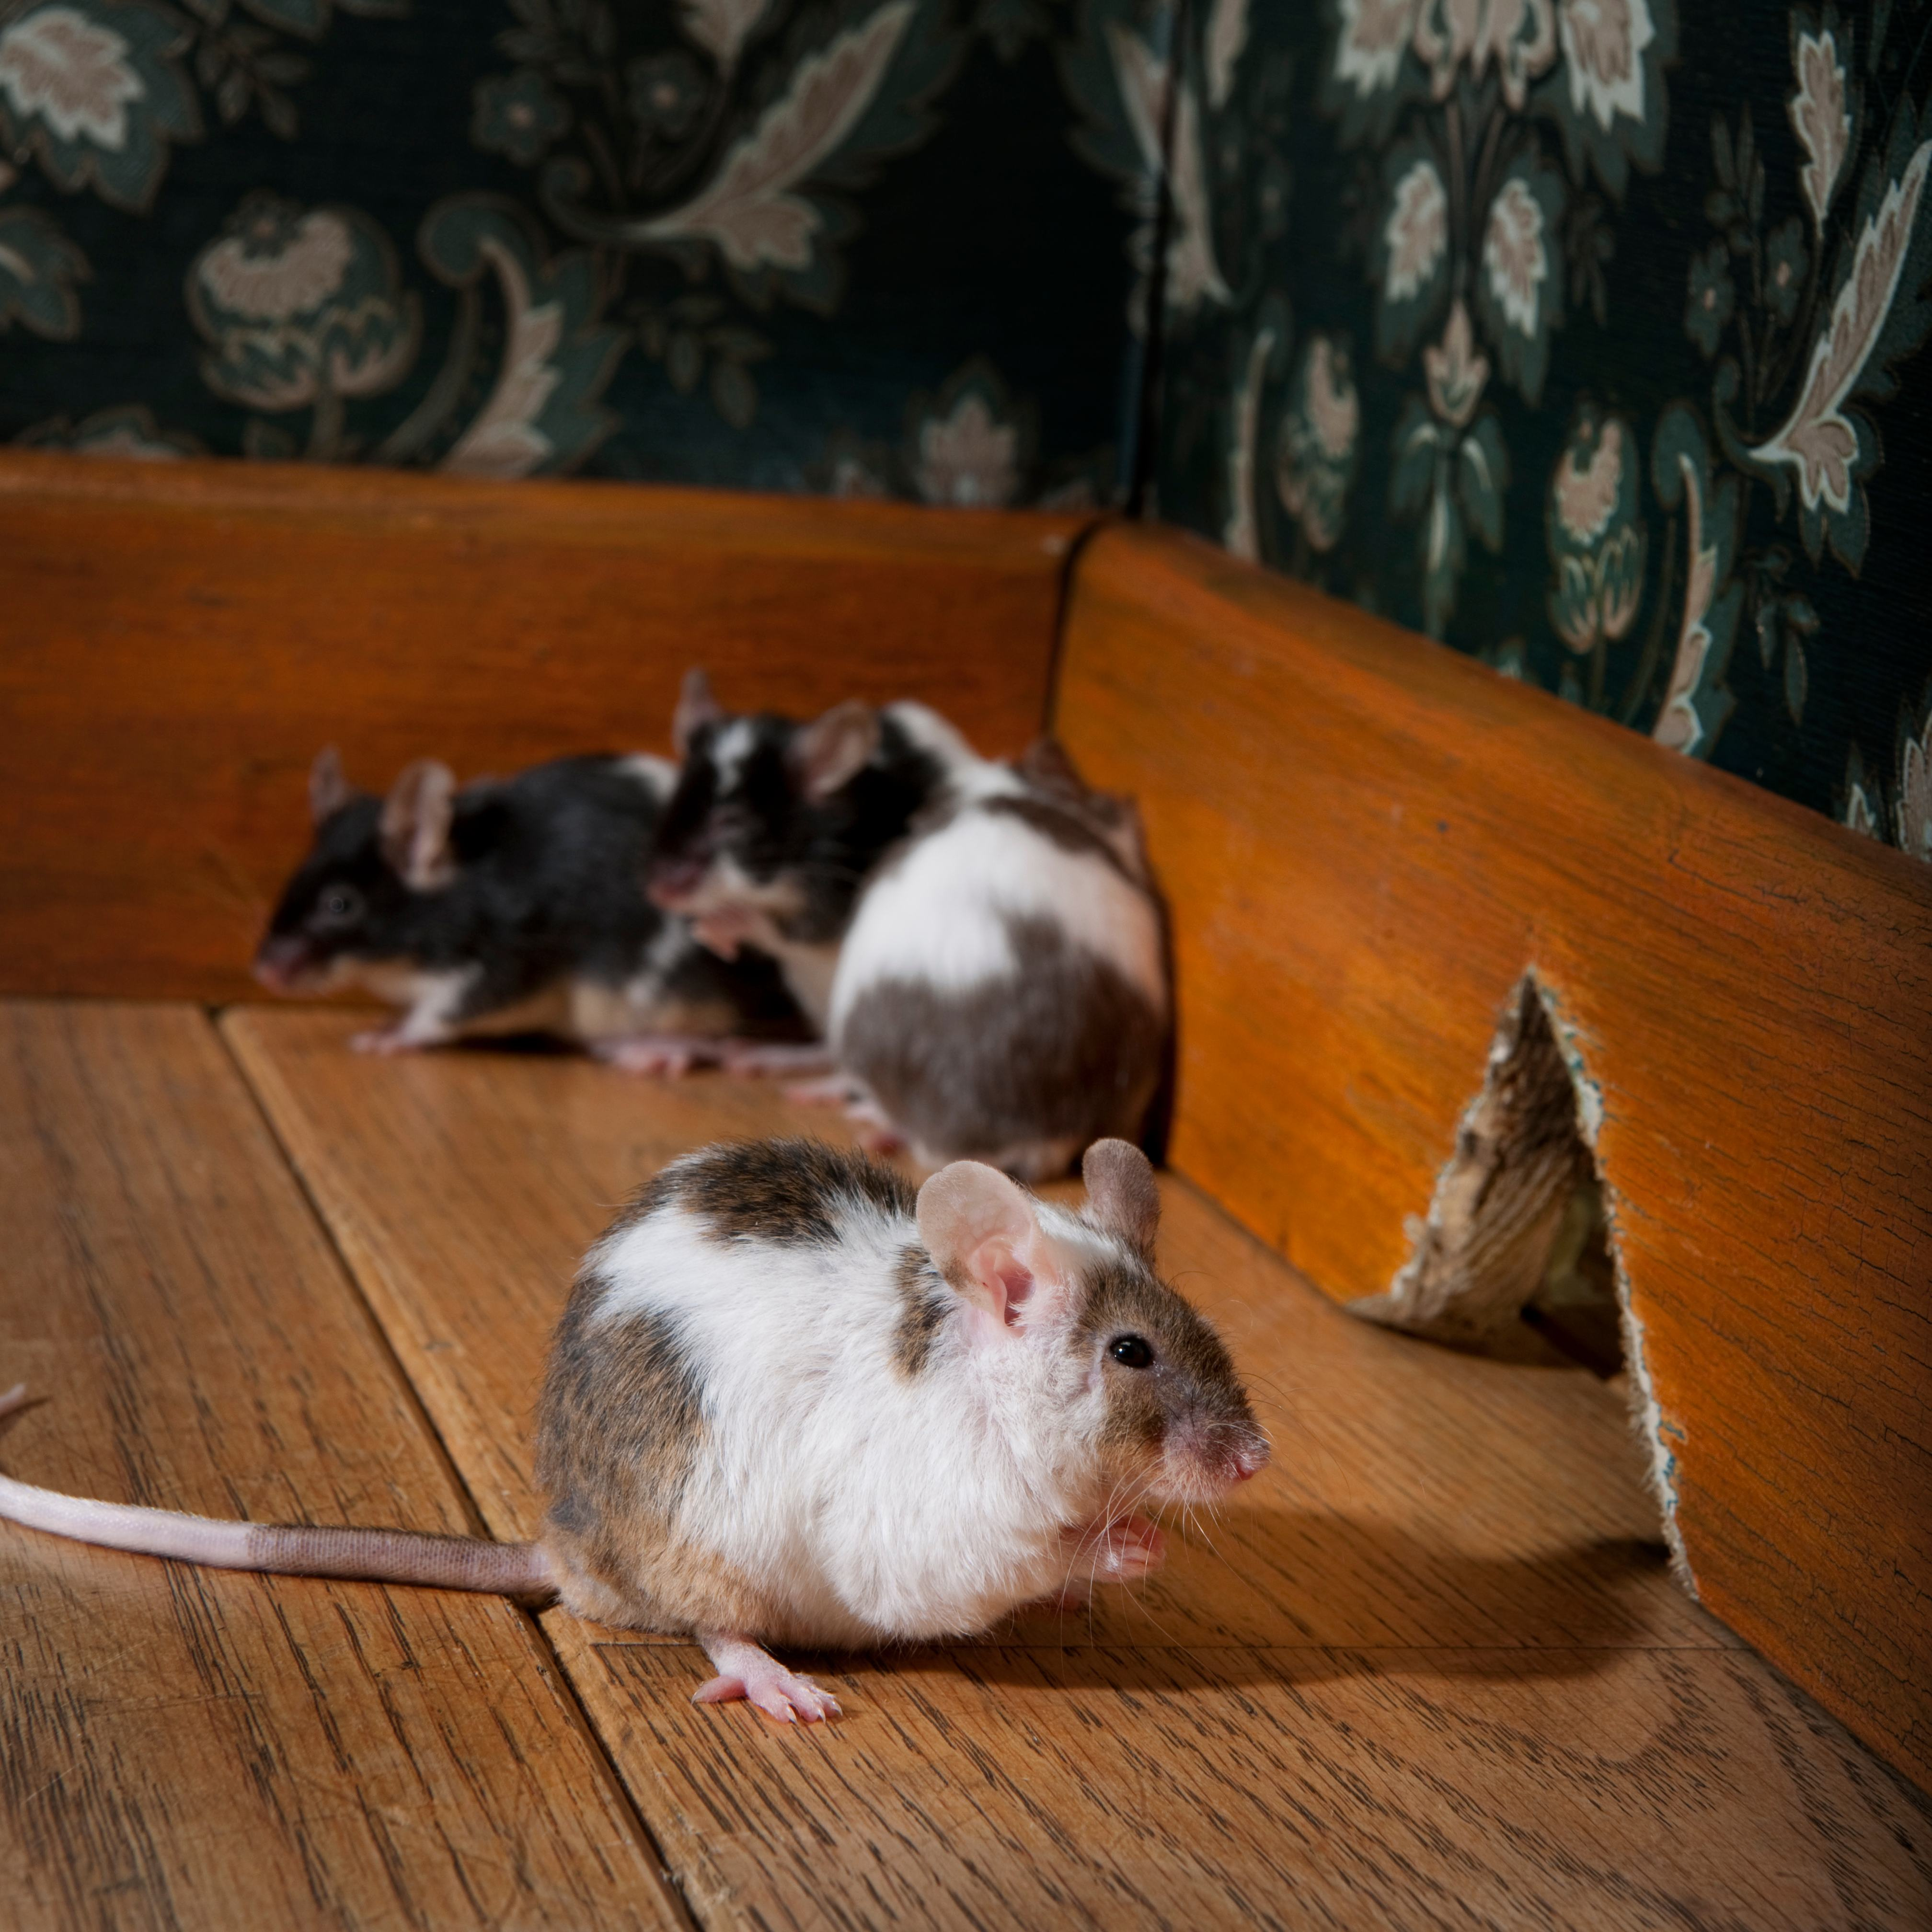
[[668, 1055], [1120, 1552], [383, 1040]]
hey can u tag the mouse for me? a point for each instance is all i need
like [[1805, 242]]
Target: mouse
[[512, 905], [792, 1401], [980, 943]]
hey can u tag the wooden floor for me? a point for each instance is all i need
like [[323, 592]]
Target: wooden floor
[[1430, 1671]]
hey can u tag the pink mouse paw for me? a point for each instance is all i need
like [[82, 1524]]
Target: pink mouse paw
[[1122, 1551], [650, 1053], [383, 1041], [767, 1060], [836, 1090], [1132, 1548], [746, 1670]]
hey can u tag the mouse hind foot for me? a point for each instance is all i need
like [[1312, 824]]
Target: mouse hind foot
[[748, 1670]]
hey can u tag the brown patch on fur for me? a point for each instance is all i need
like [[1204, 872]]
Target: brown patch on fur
[[924, 1305], [1051, 772], [620, 1429], [659, 1191], [1193, 1375], [1066, 1048], [1068, 830], [788, 1190]]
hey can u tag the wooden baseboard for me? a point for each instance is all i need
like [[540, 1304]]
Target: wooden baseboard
[[1368, 841], [177, 640]]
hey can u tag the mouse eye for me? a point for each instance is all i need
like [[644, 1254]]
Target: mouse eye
[[1131, 1351], [339, 905]]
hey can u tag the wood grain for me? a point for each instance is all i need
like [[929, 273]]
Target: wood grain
[[177, 641], [1368, 839], [1431, 1663], [180, 1747]]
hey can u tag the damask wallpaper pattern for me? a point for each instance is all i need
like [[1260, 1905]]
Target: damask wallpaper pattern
[[845, 246], [1585, 334]]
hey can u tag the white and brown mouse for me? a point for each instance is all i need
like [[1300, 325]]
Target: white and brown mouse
[[980, 943], [791, 1403], [512, 905]]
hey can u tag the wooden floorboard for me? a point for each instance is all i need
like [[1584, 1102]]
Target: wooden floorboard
[[197, 1749], [1429, 1669]]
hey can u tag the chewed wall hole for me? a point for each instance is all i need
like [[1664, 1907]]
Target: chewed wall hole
[[1518, 1255], [1514, 1259]]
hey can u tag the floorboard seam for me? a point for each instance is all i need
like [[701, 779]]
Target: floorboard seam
[[547, 1650]]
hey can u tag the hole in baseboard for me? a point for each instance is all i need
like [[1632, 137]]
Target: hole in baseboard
[[1518, 1257], [1514, 1259]]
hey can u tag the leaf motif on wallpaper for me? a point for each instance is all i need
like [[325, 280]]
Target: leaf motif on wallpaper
[[749, 209], [1818, 440], [1240, 533], [1820, 119], [302, 309], [1320, 436], [544, 411], [92, 88], [1518, 37], [721, 27], [1606, 93], [1604, 42], [1225, 42], [1411, 261], [1454, 470], [969, 445], [1913, 817], [1193, 276], [1518, 293], [1859, 801], [1696, 702], [38, 268], [127, 433], [1595, 537]]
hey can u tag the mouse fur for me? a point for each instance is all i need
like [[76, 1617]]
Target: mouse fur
[[981, 942], [509, 905], [791, 1401]]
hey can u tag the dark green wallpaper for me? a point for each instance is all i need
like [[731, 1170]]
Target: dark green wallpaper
[[848, 247], [1585, 334]]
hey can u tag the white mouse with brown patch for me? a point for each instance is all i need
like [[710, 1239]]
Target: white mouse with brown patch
[[980, 943], [789, 1403]]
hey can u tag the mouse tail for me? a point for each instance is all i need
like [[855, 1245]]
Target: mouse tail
[[287, 1549]]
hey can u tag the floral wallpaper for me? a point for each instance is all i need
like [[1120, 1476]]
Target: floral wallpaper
[[1587, 335], [848, 247]]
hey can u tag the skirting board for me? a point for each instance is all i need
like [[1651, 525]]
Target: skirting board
[[177, 640], [1368, 841]]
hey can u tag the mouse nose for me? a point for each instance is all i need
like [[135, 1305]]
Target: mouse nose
[[278, 961], [1248, 1458], [672, 881]]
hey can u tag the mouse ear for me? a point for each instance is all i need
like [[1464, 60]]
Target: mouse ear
[[1045, 763], [1121, 1197], [832, 750], [697, 706], [327, 790], [980, 1230], [415, 824]]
